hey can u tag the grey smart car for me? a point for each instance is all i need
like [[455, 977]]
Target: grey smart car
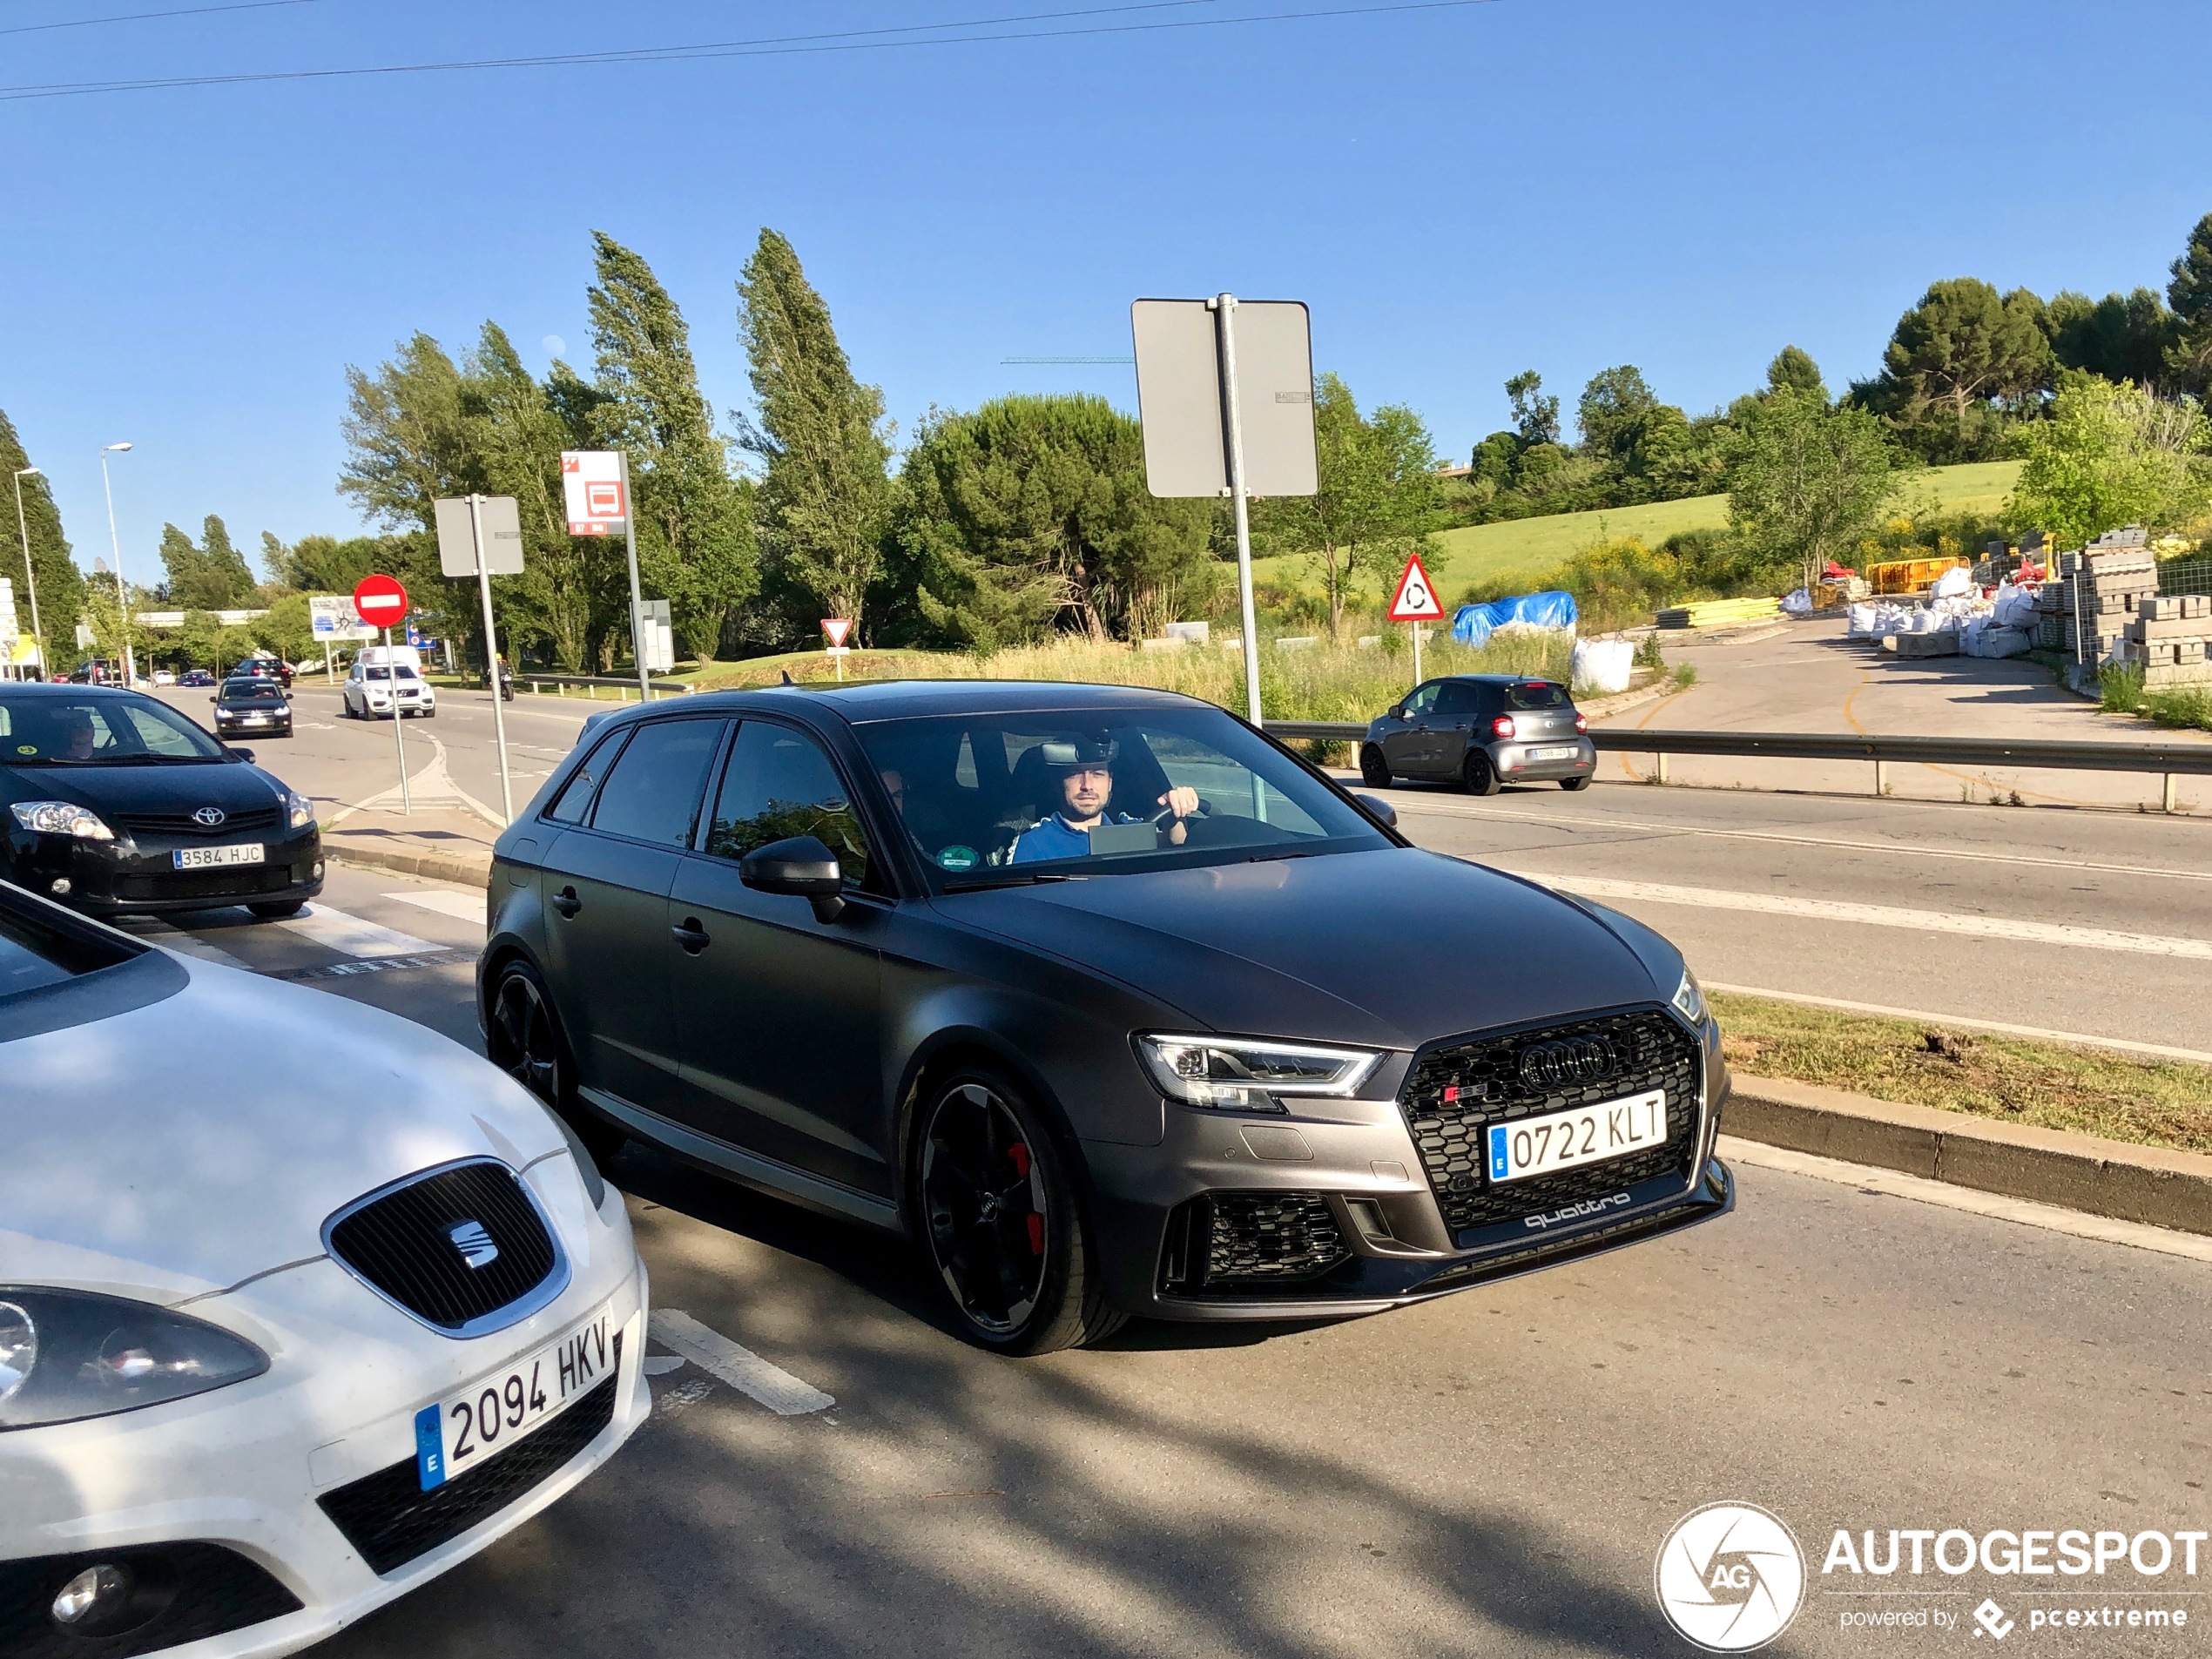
[[1483, 731]]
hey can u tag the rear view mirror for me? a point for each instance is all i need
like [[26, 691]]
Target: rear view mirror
[[800, 867], [1379, 809]]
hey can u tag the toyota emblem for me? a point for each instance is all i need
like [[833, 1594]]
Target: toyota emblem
[[1567, 1064], [209, 816]]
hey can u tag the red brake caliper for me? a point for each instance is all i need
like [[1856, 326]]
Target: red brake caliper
[[1019, 1154]]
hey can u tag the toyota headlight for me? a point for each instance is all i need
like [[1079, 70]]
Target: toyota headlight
[[61, 818], [69, 1354], [298, 811], [1689, 999], [1240, 1074]]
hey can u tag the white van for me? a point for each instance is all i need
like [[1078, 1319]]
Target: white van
[[377, 673]]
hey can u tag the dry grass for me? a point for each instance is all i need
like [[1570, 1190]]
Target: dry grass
[[2011, 1080]]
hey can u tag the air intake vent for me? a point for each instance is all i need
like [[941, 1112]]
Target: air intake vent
[[464, 1249]]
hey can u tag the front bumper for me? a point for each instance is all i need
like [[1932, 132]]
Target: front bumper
[[242, 1475], [1511, 762], [137, 875], [272, 726]]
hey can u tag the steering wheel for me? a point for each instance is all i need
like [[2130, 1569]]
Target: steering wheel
[[1205, 809]]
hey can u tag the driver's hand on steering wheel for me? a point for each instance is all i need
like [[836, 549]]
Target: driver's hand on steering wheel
[[1181, 802]]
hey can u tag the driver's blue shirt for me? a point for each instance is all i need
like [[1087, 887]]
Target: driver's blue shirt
[[1055, 837]]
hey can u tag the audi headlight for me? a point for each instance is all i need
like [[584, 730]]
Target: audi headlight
[[298, 811], [1242, 1074], [1689, 999], [69, 1354], [61, 818]]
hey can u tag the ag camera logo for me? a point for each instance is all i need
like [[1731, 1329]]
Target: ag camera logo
[[1729, 1577]]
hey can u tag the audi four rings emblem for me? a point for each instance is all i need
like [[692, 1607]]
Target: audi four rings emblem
[[209, 816], [1557, 1065]]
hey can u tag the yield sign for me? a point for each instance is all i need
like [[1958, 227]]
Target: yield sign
[[837, 627], [1416, 600], [379, 600]]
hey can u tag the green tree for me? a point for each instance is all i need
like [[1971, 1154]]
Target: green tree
[[2108, 455], [1804, 481], [1793, 370], [697, 542], [1031, 513], [186, 579], [225, 565], [2189, 353], [325, 564], [1961, 347], [1377, 480], [824, 497], [2122, 336], [1613, 410], [1535, 417], [44, 564]]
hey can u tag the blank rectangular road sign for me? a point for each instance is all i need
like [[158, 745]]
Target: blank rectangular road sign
[[502, 531], [1179, 396]]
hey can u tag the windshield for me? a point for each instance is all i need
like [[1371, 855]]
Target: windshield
[[378, 671], [994, 797], [109, 728], [251, 691]]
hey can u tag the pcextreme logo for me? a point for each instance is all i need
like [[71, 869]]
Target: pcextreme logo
[[1729, 1577]]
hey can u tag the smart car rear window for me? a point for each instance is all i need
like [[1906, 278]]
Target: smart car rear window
[[1536, 694]]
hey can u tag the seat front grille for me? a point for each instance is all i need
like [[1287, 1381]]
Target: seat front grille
[[1454, 1093], [453, 1248]]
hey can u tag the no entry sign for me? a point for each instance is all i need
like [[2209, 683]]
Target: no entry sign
[[381, 601]]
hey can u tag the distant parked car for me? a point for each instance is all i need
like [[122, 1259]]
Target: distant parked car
[[1482, 731], [266, 668], [249, 706], [196, 677], [163, 677]]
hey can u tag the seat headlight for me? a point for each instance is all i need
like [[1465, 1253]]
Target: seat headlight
[[61, 818], [1689, 999], [298, 811], [1240, 1074], [65, 1355]]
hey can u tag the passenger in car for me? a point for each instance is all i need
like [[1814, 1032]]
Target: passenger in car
[[1083, 767]]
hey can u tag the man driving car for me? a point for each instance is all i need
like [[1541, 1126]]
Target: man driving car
[[1082, 768]]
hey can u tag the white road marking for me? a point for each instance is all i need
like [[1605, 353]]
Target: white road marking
[[186, 944], [741, 1368], [1876, 916], [352, 935], [659, 1365], [1897, 1184], [446, 902], [2154, 1051], [1444, 807]]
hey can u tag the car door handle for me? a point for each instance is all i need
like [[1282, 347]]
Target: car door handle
[[566, 902], [690, 935]]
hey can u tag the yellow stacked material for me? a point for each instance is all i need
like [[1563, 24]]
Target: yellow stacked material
[[1718, 613], [1908, 575]]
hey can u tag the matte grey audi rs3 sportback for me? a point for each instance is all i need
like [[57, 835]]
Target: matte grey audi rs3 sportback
[[1110, 1003]]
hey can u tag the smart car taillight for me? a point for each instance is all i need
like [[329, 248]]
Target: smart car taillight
[[1581, 722], [1502, 727]]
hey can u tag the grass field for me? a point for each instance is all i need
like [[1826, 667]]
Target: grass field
[[1531, 548]]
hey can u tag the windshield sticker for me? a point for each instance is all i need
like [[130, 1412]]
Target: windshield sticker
[[26, 748], [958, 857]]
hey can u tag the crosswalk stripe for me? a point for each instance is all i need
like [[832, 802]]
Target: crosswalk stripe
[[446, 902], [351, 935], [185, 944], [741, 1368]]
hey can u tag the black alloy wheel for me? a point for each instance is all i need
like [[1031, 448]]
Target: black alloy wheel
[[1374, 771], [278, 909], [1000, 1218], [524, 1039], [1572, 783], [1478, 774]]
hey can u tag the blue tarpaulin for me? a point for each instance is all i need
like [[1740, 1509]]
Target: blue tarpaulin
[[1474, 624]]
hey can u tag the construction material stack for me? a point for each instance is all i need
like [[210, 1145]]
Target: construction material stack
[[2116, 573], [2171, 636]]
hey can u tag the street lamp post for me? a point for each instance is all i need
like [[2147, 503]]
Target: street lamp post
[[30, 575], [115, 547]]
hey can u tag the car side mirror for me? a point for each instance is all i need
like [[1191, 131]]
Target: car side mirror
[[1397, 710], [1379, 809], [801, 867], [214, 699], [243, 756]]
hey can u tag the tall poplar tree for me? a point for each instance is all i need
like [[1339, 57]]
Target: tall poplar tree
[[225, 565], [697, 545], [825, 496], [60, 584]]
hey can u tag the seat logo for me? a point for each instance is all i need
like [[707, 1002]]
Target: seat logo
[[1547, 1066], [209, 816], [474, 1243], [1729, 1577]]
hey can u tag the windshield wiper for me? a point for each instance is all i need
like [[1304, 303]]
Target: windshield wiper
[[1025, 879]]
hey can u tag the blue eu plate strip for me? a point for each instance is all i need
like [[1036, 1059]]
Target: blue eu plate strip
[[429, 1449], [1498, 1170]]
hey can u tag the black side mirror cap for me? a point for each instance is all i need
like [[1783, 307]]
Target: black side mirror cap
[[1379, 809], [243, 756], [801, 867]]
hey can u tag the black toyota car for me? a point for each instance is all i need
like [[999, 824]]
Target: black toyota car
[[1110, 1001], [115, 803]]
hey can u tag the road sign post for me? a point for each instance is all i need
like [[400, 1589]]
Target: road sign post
[[1415, 603], [1225, 390], [482, 536], [382, 601], [838, 629], [595, 489]]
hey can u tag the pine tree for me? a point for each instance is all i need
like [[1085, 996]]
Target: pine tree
[[696, 544], [225, 566], [186, 577], [2191, 296], [825, 500], [45, 563]]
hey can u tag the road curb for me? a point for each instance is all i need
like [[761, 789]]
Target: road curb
[[434, 867], [2148, 1184]]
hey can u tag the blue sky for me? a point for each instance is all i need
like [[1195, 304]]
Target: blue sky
[[1459, 192]]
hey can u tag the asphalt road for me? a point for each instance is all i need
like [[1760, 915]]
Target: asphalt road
[[1490, 1474]]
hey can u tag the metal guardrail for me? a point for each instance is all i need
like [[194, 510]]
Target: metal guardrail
[[628, 683], [2169, 759]]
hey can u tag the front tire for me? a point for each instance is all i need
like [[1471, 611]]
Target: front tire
[[523, 1038], [999, 1218], [279, 909], [1374, 771], [1478, 774]]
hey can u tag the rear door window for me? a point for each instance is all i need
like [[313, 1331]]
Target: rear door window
[[651, 793], [1457, 698]]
